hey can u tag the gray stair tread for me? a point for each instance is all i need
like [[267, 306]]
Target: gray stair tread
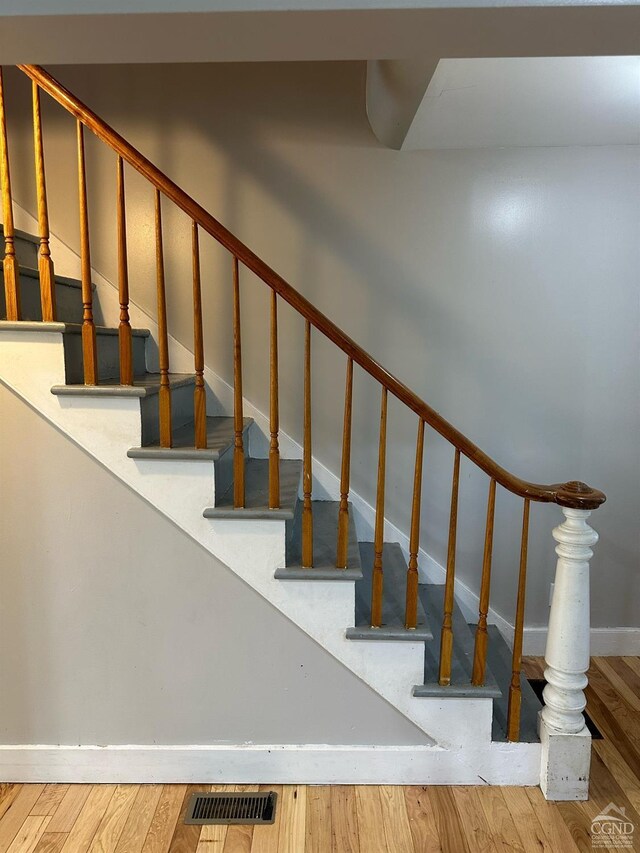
[[143, 386], [30, 272], [325, 537], [257, 493], [219, 438], [393, 607], [62, 328], [499, 658], [432, 597]]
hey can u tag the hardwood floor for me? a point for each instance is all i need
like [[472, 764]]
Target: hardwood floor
[[346, 819]]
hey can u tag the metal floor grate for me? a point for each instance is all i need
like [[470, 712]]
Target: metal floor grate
[[232, 808]]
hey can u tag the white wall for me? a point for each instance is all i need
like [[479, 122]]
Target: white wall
[[501, 285], [116, 628]]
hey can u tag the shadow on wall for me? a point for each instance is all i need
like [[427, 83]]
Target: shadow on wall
[[460, 271]]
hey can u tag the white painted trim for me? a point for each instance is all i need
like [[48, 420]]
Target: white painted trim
[[604, 641], [313, 764]]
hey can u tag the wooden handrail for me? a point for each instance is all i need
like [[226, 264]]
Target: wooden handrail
[[572, 494]]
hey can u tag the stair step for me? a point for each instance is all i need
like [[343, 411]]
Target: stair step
[[68, 297], [107, 351], [107, 345], [432, 597], [499, 658], [145, 387], [26, 246], [257, 493], [219, 439], [393, 604], [325, 536]]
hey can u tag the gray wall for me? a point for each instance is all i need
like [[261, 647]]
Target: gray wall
[[116, 628], [501, 285]]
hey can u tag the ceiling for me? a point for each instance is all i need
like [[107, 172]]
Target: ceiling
[[548, 101], [108, 31]]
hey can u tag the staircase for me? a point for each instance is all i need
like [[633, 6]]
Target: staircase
[[200, 462]]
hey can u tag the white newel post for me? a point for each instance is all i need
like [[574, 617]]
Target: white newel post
[[565, 739]]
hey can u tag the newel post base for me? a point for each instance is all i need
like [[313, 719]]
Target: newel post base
[[564, 738]]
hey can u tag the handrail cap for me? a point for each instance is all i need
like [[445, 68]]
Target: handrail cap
[[577, 495]]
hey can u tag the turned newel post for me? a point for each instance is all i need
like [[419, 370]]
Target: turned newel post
[[566, 742]]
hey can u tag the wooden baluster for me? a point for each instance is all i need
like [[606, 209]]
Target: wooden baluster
[[166, 436], [199, 394], [307, 513], [45, 264], [377, 581], [124, 328], [343, 513], [89, 351], [446, 635], [515, 696], [411, 609], [274, 417], [480, 649], [238, 444], [10, 263]]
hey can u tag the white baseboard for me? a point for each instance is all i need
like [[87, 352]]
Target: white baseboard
[[313, 764], [604, 641]]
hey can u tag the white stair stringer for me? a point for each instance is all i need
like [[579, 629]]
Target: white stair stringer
[[460, 729]]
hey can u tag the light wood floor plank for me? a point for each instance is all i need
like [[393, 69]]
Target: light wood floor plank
[[611, 729], [165, 818], [113, 821], [422, 820], [344, 820], [452, 839], [17, 813], [473, 819], [294, 815], [395, 819], [619, 683], [531, 833], [186, 836], [557, 832], [533, 667], [240, 836], [8, 793], [634, 663], [624, 713], [83, 830], [49, 800], [67, 812], [578, 824], [369, 809], [51, 842], [628, 673], [318, 826], [137, 825], [619, 768], [505, 834], [267, 838], [29, 834], [604, 788]]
